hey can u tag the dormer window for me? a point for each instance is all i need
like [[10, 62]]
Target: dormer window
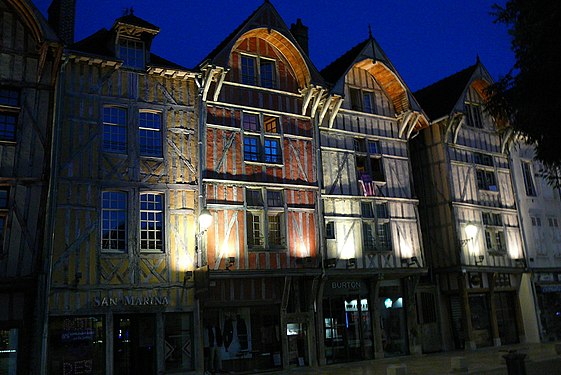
[[258, 71], [132, 53]]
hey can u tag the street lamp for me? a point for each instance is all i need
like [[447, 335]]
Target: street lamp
[[205, 220], [471, 231]]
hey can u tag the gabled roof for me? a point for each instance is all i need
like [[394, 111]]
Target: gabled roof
[[131, 19], [267, 18], [440, 98], [369, 55], [101, 42], [34, 20]]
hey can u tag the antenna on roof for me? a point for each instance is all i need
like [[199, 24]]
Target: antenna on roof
[[369, 31], [477, 61], [131, 11]]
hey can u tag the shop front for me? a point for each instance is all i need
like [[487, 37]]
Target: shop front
[[353, 316], [548, 295], [125, 335]]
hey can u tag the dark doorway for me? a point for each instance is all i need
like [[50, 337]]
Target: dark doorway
[[134, 345], [506, 318]]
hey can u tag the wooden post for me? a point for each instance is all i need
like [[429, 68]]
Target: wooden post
[[492, 278], [411, 312], [375, 316], [319, 324], [466, 313]]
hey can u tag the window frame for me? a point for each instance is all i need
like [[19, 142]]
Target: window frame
[[157, 134], [107, 142], [259, 222], [358, 96], [264, 145], [528, 177], [483, 180], [254, 76], [371, 162], [139, 51], [125, 230], [10, 107], [152, 212], [376, 227], [4, 210]]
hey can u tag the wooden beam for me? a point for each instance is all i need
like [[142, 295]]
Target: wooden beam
[[220, 82], [326, 105], [307, 96], [406, 117], [317, 99], [335, 111]]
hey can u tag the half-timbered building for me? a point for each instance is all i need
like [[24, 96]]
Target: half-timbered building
[[373, 246], [124, 190], [261, 96], [468, 213], [539, 207], [29, 64]]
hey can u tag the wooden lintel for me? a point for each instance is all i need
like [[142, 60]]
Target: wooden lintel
[[335, 111], [307, 96]]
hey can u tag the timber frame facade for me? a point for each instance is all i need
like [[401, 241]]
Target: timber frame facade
[[29, 63], [124, 191], [261, 96], [373, 246], [468, 214]]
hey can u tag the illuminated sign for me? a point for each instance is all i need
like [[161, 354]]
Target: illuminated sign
[[130, 301]]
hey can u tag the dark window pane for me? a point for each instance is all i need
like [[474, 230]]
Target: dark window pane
[[267, 72], [150, 134], [248, 70]]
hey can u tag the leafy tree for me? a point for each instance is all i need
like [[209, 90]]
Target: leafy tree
[[529, 97]]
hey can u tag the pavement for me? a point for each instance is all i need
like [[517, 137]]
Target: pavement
[[541, 359]]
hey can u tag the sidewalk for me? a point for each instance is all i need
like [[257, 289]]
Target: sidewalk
[[541, 360]]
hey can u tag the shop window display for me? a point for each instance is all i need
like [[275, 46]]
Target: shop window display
[[392, 321], [8, 351], [77, 345], [178, 342]]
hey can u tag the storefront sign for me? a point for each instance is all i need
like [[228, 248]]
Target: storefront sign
[[130, 301], [545, 277], [345, 287], [551, 288]]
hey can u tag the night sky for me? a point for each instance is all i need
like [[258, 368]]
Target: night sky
[[425, 39]]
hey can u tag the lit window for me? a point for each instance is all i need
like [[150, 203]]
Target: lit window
[[495, 241], [264, 222], [251, 122], [114, 130], [150, 134], [486, 180], [9, 111], [253, 222], [272, 151], [151, 222], [251, 148], [113, 221], [132, 53], [271, 124], [375, 226], [267, 73], [248, 70], [528, 178]]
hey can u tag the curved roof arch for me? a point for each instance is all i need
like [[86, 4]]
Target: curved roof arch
[[292, 54], [33, 20]]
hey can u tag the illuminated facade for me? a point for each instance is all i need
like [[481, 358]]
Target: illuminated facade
[[124, 190], [468, 214]]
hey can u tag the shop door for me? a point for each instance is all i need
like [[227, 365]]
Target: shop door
[[428, 322], [506, 318], [347, 326], [297, 334], [134, 349], [480, 319]]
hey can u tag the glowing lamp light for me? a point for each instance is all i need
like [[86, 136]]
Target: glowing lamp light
[[388, 303], [205, 219], [470, 230]]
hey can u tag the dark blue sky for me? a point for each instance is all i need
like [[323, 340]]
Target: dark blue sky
[[425, 39]]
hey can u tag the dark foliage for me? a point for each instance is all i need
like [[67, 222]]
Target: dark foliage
[[529, 97]]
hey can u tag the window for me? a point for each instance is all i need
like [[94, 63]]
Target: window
[[254, 197], [374, 148], [251, 122], [369, 165], [114, 130], [271, 124], [151, 222], [330, 230], [536, 221], [272, 151], [553, 222], [495, 241], [359, 144], [361, 100], [132, 53], [474, 116], [4, 195], [493, 219], [528, 178], [150, 134], [251, 148], [274, 198], [248, 70], [486, 180], [482, 159], [265, 220], [113, 221], [267, 74], [9, 111], [375, 226]]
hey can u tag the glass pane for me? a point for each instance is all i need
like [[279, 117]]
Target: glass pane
[[151, 222], [267, 72], [150, 134], [248, 70], [251, 148], [251, 122], [114, 130], [8, 123], [178, 342], [134, 345], [113, 221]]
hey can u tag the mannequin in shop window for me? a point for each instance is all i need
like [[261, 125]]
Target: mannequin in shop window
[[213, 346]]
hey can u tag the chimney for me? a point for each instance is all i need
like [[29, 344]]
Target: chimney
[[61, 18], [300, 33]]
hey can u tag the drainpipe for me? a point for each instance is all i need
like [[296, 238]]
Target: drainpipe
[[46, 275]]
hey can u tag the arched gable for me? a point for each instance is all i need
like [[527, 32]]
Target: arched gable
[[389, 81], [29, 18], [285, 47]]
